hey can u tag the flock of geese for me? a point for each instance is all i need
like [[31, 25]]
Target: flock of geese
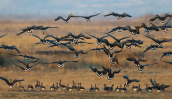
[[67, 40]]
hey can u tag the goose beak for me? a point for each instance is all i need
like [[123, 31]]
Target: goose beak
[[96, 78], [46, 32], [26, 71]]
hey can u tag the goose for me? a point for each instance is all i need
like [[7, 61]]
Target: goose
[[68, 88], [53, 88], [97, 49], [148, 89], [29, 29], [133, 41], [37, 85], [30, 87], [21, 88], [136, 62], [114, 59], [92, 89], [81, 88], [76, 37], [77, 52], [10, 82], [58, 39], [128, 46], [139, 89], [134, 31], [61, 45], [165, 27], [58, 87], [127, 83], [3, 35], [99, 73], [60, 63], [149, 29], [26, 57], [119, 16], [162, 18], [110, 74], [27, 68], [108, 89], [159, 42], [118, 29], [141, 67], [42, 88], [9, 48], [96, 89], [110, 45], [74, 87], [88, 18], [44, 29], [42, 41], [66, 20], [61, 86], [134, 88], [166, 54], [99, 40], [111, 54], [117, 89], [119, 40], [152, 47], [123, 89]]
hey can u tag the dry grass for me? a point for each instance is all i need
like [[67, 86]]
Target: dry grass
[[80, 72]]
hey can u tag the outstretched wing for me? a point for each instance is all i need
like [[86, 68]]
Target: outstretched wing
[[146, 49], [135, 80], [154, 18], [116, 51], [14, 47], [126, 77], [168, 62], [71, 48], [17, 80], [132, 59], [69, 61], [151, 38], [91, 35], [34, 65], [149, 64], [106, 69], [3, 35], [112, 13], [36, 36], [21, 61], [93, 69], [18, 65], [125, 14], [94, 15], [116, 71], [59, 17], [124, 37], [5, 79], [104, 72]]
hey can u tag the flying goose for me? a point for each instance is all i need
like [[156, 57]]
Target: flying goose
[[166, 54], [44, 29], [129, 81], [89, 18], [141, 67], [118, 29], [159, 41], [99, 73], [165, 27], [26, 57], [60, 63], [29, 29], [99, 40], [66, 20], [9, 48], [152, 47], [136, 62], [119, 16], [118, 40], [77, 52], [134, 31], [114, 59], [42, 41], [149, 29], [162, 18], [3, 35], [58, 39], [27, 68], [110, 73], [11, 83]]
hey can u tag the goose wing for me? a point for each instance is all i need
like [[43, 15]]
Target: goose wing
[[17, 80], [5, 79], [154, 18], [167, 62], [93, 69], [3, 35], [95, 14], [18, 65], [147, 49], [14, 47], [112, 13], [34, 65]]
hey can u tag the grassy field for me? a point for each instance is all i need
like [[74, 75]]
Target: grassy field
[[80, 72]]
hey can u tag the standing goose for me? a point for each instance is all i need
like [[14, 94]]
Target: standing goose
[[42, 88], [166, 54], [119, 16], [118, 29], [66, 20], [91, 89], [29, 29], [99, 73], [162, 18], [96, 89], [99, 40], [11, 83], [136, 62], [117, 89], [21, 88], [149, 89], [61, 86], [27, 68], [89, 18], [81, 88], [123, 89], [134, 88], [60, 63], [110, 73], [9, 48], [44, 29], [159, 42], [68, 88], [129, 81], [53, 88], [74, 87]]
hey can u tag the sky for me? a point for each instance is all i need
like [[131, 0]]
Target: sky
[[84, 7]]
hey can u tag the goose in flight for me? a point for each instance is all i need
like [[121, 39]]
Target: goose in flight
[[119, 16], [66, 20], [29, 29]]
